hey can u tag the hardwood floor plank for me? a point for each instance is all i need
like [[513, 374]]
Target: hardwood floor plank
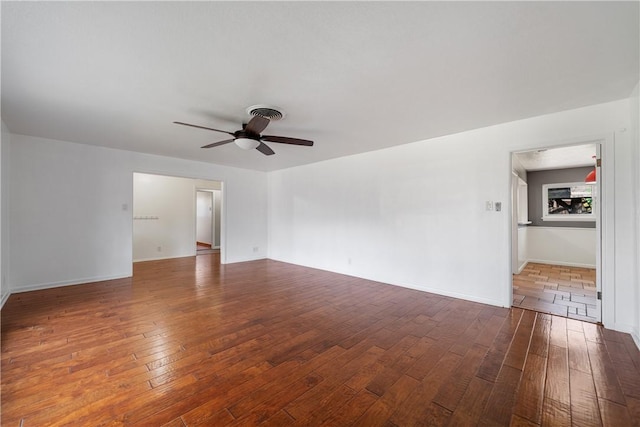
[[499, 407], [467, 339], [413, 410], [335, 376], [633, 406], [380, 411], [557, 376], [426, 362], [623, 364], [614, 414], [494, 359], [541, 335], [604, 374], [558, 333], [578, 354], [259, 388], [472, 404], [276, 402], [189, 342], [174, 423], [451, 392], [528, 403], [519, 347], [556, 413], [281, 418], [584, 402], [352, 410], [517, 421], [593, 333], [390, 374], [575, 325], [489, 333], [632, 350], [326, 407]]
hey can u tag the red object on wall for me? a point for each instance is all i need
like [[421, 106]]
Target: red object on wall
[[591, 176]]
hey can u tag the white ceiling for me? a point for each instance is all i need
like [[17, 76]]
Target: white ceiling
[[558, 158], [352, 76]]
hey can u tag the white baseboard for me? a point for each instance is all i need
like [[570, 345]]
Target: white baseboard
[[235, 260], [457, 295], [522, 266], [386, 281], [564, 264], [636, 338], [4, 299], [162, 258], [40, 286]]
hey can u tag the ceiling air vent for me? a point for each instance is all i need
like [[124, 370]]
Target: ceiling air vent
[[266, 111]]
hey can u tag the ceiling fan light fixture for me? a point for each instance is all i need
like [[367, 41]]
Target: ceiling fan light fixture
[[249, 137], [246, 143]]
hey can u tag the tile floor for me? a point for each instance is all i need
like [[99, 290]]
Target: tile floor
[[555, 289]]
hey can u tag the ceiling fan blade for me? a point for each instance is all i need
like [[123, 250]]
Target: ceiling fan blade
[[286, 140], [264, 149], [215, 144], [257, 124], [202, 127]]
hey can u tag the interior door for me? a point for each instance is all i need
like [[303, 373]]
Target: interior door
[[204, 216]]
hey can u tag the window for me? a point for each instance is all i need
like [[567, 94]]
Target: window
[[572, 201]]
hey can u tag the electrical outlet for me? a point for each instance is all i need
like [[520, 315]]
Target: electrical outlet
[[256, 248], [498, 206], [159, 248]]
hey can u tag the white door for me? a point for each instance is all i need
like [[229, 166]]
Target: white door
[[204, 217]]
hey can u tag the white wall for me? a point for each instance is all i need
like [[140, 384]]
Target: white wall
[[562, 246], [522, 257], [70, 218], [518, 168], [414, 215], [163, 217]]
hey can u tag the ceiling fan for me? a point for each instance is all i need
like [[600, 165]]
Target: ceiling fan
[[250, 137]]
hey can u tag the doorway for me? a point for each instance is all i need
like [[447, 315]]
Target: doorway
[[208, 210], [556, 239], [165, 217]]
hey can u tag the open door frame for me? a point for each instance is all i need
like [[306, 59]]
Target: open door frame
[[605, 222]]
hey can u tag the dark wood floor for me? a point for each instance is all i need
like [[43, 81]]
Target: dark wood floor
[[190, 342]]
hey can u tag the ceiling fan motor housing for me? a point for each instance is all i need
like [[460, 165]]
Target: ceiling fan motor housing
[[267, 111]]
